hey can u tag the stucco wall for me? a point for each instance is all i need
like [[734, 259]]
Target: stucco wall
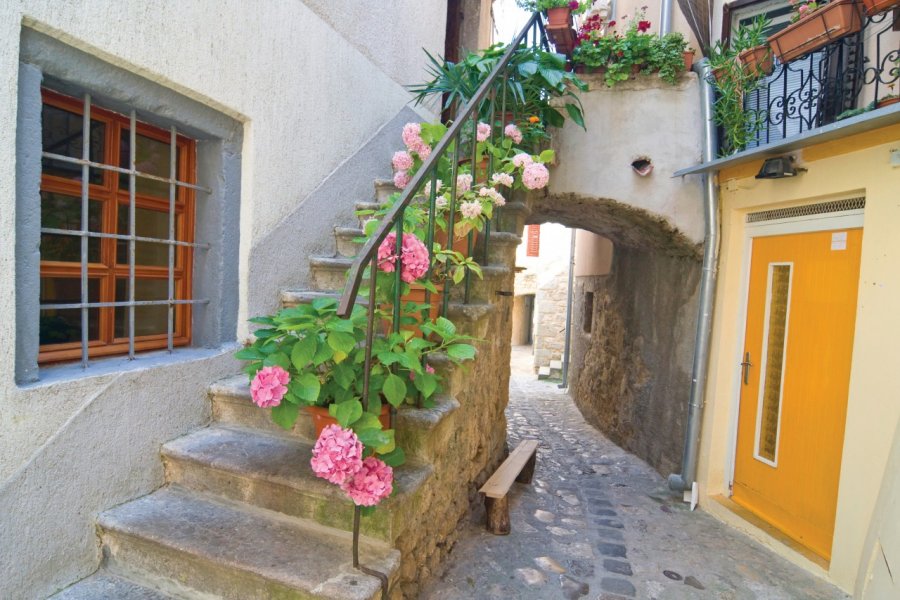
[[630, 376], [848, 167], [307, 99]]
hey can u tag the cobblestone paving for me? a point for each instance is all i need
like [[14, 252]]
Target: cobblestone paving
[[599, 523]]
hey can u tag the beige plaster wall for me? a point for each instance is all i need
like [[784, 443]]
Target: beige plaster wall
[[873, 407], [593, 254]]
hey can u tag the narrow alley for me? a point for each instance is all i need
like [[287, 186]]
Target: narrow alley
[[599, 523]]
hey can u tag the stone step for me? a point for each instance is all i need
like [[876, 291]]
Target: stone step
[[329, 273], [383, 189], [273, 472], [180, 539], [502, 248], [105, 586], [497, 281], [345, 240], [232, 407]]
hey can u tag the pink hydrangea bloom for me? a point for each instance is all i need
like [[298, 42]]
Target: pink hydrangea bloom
[[412, 135], [337, 455], [401, 179], [415, 258], [402, 161], [502, 179], [422, 149], [494, 195], [513, 133], [535, 176], [483, 132], [428, 369], [522, 159], [470, 210], [463, 183], [441, 202], [371, 484], [269, 386]]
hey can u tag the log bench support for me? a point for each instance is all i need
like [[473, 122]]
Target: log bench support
[[518, 466]]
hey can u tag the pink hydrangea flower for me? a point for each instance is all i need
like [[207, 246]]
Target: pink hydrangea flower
[[441, 202], [535, 176], [470, 210], [371, 484], [402, 161], [428, 369], [502, 179], [463, 183], [522, 159], [401, 179], [494, 195], [414, 255], [483, 132], [513, 133], [412, 135], [337, 455], [269, 386], [422, 149]]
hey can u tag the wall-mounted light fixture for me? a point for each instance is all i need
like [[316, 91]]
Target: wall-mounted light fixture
[[778, 168]]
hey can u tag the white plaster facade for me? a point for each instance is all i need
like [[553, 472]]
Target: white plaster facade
[[311, 83]]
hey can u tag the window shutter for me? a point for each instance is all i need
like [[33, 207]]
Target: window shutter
[[533, 241]]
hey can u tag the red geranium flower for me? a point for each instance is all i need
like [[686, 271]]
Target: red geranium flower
[[612, 23], [573, 5], [643, 26]]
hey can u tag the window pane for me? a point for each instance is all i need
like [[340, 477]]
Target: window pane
[[59, 211], [62, 326], [152, 156], [148, 320], [61, 132], [779, 292], [147, 223]]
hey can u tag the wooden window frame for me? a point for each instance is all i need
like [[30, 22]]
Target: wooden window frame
[[114, 199]]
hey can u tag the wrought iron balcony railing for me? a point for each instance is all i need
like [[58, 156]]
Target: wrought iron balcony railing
[[852, 75]]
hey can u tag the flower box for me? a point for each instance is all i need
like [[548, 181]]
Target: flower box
[[876, 7], [757, 61], [832, 22]]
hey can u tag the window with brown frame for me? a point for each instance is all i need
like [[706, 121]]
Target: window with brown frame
[[117, 232]]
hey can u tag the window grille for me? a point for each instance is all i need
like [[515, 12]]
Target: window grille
[[135, 177], [807, 210]]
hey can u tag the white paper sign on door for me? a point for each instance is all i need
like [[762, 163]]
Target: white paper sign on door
[[839, 240]]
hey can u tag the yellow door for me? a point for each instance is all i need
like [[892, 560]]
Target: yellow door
[[801, 309]]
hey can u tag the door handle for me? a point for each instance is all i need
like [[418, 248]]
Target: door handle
[[745, 367]]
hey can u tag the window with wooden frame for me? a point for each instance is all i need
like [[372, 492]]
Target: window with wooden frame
[[117, 232], [533, 240]]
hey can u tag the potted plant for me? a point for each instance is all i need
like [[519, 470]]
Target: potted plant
[[669, 56], [815, 25], [752, 47], [559, 12]]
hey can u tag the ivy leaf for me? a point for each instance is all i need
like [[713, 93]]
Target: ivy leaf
[[346, 412], [304, 351], [285, 414], [461, 351], [306, 387], [394, 390]]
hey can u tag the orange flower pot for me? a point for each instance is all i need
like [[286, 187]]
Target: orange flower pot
[[832, 22], [321, 418], [876, 7], [559, 17], [757, 61], [688, 59]]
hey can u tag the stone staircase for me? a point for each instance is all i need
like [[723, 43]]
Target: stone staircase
[[242, 516]]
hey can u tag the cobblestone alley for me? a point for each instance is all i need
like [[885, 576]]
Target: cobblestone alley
[[599, 523]]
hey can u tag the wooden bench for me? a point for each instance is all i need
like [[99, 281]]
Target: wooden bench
[[518, 466]]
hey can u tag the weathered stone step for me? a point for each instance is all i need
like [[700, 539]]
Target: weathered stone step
[[181, 539], [383, 189], [290, 298], [105, 586], [345, 240], [273, 472], [329, 273], [418, 429]]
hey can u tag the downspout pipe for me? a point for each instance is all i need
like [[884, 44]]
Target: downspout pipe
[[683, 481], [665, 17]]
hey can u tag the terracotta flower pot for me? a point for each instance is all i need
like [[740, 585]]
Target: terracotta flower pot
[[833, 21], [688, 59], [559, 17], [321, 418], [876, 7], [887, 102], [563, 38], [757, 61], [417, 294]]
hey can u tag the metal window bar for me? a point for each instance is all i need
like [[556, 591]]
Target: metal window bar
[[133, 174]]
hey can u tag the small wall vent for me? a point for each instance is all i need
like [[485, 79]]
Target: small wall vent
[[807, 210]]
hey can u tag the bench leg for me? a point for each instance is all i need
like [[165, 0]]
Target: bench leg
[[497, 510], [527, 471]]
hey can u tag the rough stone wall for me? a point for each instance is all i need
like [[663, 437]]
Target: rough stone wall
[[630, 376], [549, 332]]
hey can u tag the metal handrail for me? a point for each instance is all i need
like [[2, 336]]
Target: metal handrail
[[429, 169]]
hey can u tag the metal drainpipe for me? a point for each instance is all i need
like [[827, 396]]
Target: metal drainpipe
[[665, 17], [683, 481], [565, 365]]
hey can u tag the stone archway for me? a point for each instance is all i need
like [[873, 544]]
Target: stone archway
[[632, 328]]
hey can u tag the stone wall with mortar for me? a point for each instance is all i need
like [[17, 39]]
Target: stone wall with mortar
[[630, 376], [78, 444], [550, 319]]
